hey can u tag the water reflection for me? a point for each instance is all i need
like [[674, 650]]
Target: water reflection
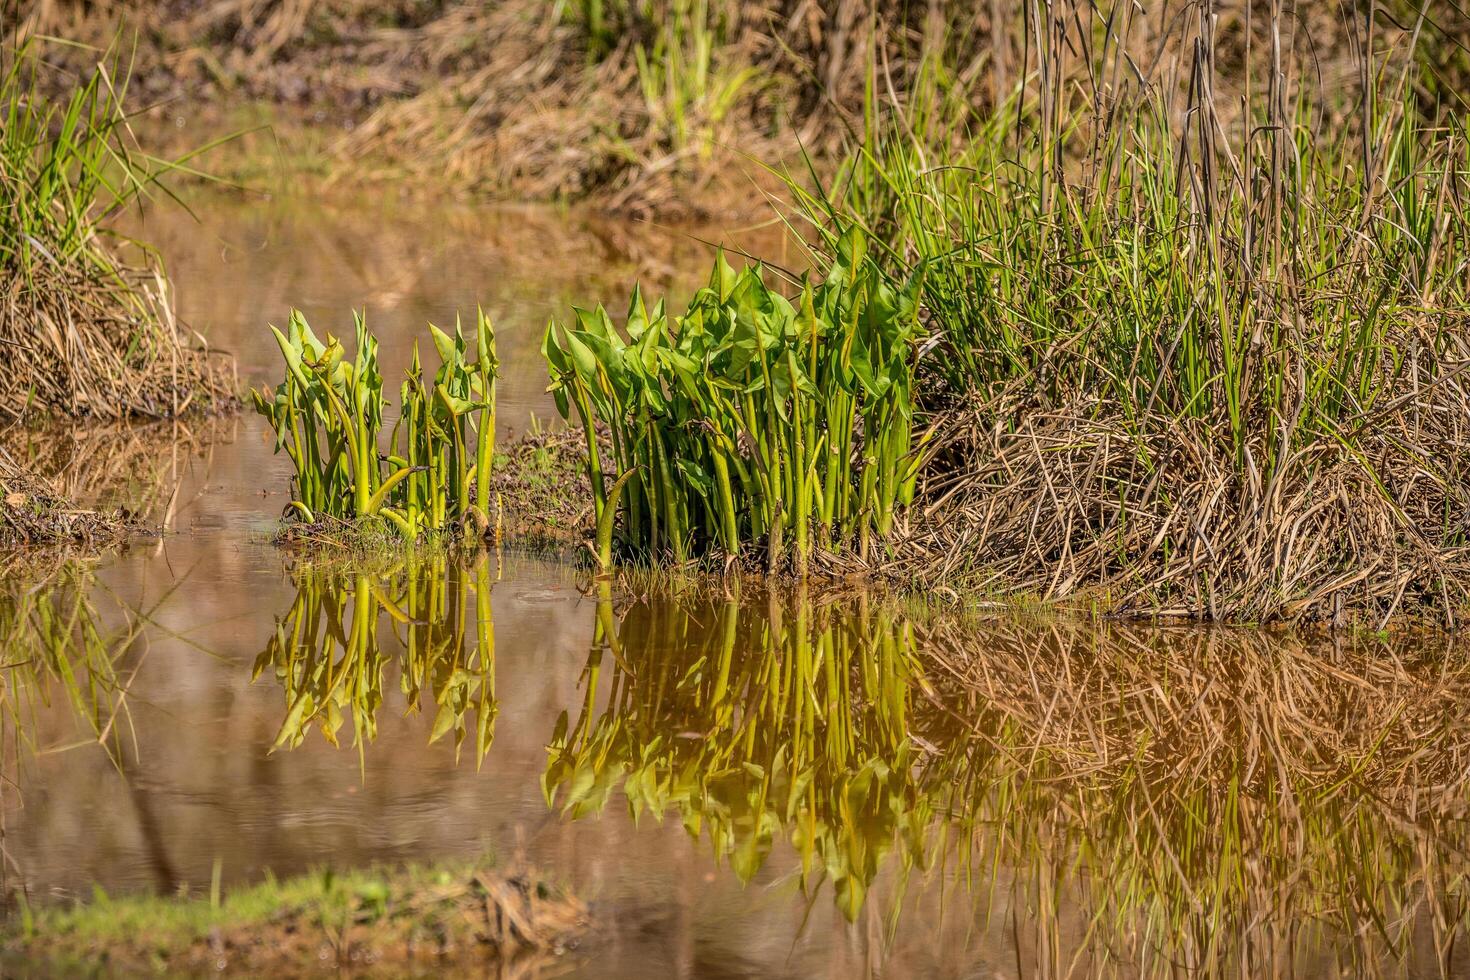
[[434, 615], [1132, 801], [56, 653], [1088, 797], [407, 263], [136, 467], [751, 719], [1212, 801], [1151, 800]]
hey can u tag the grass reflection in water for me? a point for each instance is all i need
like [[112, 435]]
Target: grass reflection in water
[[1115, 799], [1213, 801], [1129, 801], [57, 648], [328, 652]]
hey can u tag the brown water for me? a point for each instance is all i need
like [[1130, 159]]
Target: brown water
[[846, 789]]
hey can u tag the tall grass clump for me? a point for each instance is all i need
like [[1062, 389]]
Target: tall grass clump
[[85, 331], [1198, 355], [327, 415], [751, 421]]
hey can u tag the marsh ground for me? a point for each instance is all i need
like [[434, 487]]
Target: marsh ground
[[848, 785]]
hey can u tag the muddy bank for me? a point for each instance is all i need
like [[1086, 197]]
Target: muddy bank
[[380, 922], [32, 513], [90, 485], [541, 488]]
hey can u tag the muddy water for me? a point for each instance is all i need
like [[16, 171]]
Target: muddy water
[[742, 783]]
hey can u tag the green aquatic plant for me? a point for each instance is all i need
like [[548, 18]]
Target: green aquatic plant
[[328, 651], [328, 416], [750, 721], [750, 419]]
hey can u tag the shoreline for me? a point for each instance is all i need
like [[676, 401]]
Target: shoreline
[[543, 509], [376, 921]]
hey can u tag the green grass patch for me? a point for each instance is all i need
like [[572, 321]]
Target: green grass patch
[[380, 916]]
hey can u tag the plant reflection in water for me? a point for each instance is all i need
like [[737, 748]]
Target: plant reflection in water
[[328, 652], [1132, 800], [1128, 800], [56, 645], [750, 718]]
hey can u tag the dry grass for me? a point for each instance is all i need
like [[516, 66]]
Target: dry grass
[[101, 342], [1149, 517], [663, 107], [551, 100], [86, 331]]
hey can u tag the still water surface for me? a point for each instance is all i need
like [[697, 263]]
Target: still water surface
[[742, 783]]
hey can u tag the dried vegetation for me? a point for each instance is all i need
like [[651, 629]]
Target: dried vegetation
[[641, 106], [86, 332]]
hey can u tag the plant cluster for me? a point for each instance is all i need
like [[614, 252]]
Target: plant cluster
[[328, 416], [750, 419], [1198, 356]]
